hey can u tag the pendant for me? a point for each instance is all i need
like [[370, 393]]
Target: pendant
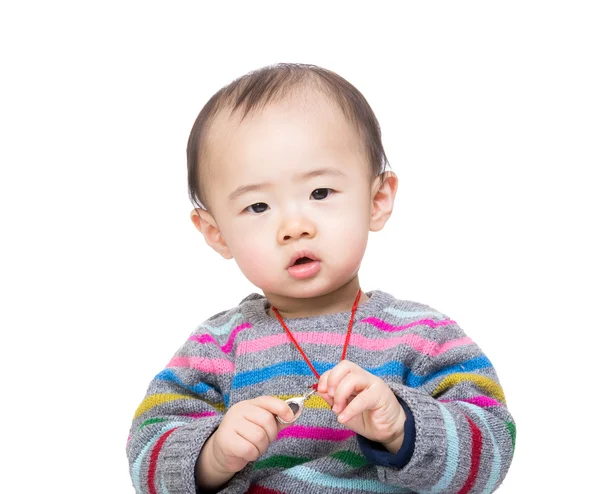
[[296, 403]]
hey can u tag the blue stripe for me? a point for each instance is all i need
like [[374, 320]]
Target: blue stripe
[[171, 376], [392, 368]]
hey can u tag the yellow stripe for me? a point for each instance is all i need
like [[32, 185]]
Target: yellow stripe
[[485, 383], [315, 401], [160, 398]]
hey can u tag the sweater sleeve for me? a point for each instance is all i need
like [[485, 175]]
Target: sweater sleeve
[[465, 435], [183, 406]]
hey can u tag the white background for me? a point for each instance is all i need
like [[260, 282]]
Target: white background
[[491, 118]]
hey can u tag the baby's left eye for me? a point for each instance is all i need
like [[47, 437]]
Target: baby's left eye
[[320, 194]]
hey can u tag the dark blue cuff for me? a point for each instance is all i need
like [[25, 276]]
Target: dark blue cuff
[[378, 455]]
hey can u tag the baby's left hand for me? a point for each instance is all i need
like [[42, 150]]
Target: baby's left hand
[[364, 403]]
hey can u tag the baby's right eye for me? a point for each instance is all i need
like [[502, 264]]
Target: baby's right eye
[[259, 205]]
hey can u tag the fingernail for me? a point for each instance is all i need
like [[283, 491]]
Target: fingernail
[[341, 418], [336, 408]]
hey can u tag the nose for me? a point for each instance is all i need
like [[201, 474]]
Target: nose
[[295, 227]]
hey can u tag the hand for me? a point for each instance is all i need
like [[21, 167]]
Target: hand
[[364, 403], [246, 431]]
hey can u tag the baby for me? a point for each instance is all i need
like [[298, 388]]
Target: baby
[[315, 386]]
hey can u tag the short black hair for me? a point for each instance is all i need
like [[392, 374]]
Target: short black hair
[[254, 90]]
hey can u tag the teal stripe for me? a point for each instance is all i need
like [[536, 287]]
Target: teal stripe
[[495, 471], [163, 487], [137, 464], [451, 454], [309, 475], [402, 314], [223, 328]]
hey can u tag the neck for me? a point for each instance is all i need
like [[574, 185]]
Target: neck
[[339, 300]]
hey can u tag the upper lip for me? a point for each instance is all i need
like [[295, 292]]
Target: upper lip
[[300, 254]]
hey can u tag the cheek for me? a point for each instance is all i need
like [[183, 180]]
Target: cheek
[[252, 257]]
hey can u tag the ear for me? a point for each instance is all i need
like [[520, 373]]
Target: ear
[[207, 226], [382, 200]]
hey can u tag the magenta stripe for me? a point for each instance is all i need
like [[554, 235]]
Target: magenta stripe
[[321, 433], [421, 345], [213, 365], [384, 326], [480, 401], [199, 415], [206, 338]]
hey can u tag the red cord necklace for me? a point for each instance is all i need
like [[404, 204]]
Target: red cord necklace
[[297, 404]]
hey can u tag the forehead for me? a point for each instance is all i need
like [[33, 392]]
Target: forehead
[[284, 139]]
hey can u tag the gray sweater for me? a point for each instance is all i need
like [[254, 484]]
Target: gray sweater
[[464, 434]]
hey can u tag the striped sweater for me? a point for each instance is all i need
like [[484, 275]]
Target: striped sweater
[[465, 435]]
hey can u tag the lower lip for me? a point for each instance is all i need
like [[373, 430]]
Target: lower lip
[[305, 270]]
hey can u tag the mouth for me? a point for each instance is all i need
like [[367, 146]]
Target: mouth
[[302, 257]]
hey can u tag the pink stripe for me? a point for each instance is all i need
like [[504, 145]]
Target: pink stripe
[[321, 433], [384, 326], [206, 338], [480, 401], [212, 365], [426, 347], [199, 415]]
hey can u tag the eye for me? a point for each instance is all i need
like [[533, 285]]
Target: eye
[[320, 194], [257, 208]]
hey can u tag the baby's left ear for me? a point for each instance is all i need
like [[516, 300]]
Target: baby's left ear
[[383, 194]]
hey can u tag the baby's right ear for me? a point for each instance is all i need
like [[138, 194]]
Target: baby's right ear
[[207, 226]]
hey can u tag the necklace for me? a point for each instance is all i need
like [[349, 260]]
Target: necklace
[[297, 403]]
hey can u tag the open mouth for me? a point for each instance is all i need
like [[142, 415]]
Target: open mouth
[[303, 260]]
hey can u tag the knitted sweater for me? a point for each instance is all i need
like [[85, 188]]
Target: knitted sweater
[[464, 439]]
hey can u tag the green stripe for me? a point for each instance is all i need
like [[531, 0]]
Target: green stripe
[[150, 421], [512, 428], [282, 461], [350, 458]]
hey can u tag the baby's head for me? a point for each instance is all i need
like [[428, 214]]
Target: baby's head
[[287, 161]]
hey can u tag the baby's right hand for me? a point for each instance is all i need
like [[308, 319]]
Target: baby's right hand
[[247, 430]]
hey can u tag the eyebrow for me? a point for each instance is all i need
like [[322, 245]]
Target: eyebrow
[[243, 189]]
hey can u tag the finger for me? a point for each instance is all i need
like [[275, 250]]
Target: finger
[[338, 372], [368, 399], [322, 386], [351, 384], [264, 419], [256, 436], [274, 405]]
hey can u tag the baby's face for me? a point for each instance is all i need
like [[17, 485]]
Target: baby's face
[[291, 180]]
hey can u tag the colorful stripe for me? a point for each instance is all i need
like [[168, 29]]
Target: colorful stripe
[[391, 328], [259, 489], [224, 328], [346, 457], [171, 376], [512, 429], [137, 463], [199, 415], [482, 382], [392, 368], [150, 422], [154, 459], [403, 314], [226, 348], [209, 365], [421, 345], [319, 433], [475, 457], [305, 474], [479, 400], [452, 454], [495, 469], [160, 398]]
